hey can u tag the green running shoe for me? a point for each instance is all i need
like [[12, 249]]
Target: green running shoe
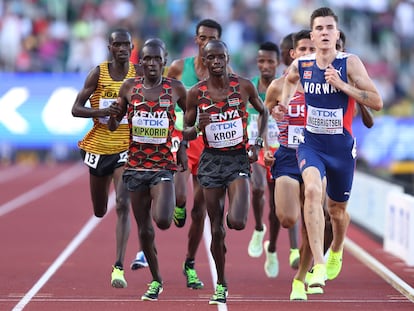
[[333, 264], [193, 281], [117, 278], [154, 289], [318, 276], [180, 215], [220, 295], [298, 291]]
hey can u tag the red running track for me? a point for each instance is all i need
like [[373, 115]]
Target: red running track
[[56, 256]]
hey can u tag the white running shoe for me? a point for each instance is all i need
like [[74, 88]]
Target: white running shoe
[[139, 262], [271, 265], [255, 248]]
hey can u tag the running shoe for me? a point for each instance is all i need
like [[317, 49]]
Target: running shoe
[[154, 289], [333, 264], [193, 281], [255, 248], [312, 290], [139, 262], [220, 295], [117, 277], [318, 276], [298, 290], [271, 265], [180, 215], [294, 258]]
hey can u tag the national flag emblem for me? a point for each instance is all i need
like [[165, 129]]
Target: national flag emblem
[[234, 102], [164, 102], [307, 74]]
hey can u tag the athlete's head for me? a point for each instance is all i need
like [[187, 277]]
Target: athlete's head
[[302, 43], [215, 57], [324, 28], [206, 30], [120, 44], [153, 60], [322, 12], [268, 59], [286, 46], [209, 23], [157, 41]]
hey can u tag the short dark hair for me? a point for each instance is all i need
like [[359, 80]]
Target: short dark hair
[[155, 42], [216, 42], [115, 31], [342, 37], [287, 42], [300, 35], [322, 12], [270, 46], [210, 23]]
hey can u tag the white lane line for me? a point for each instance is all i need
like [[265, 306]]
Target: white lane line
[[212, 264], [60, 180], [73, 245], [386, 274]]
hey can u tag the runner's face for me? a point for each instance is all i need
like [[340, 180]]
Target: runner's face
[[324, 32], [215, 59], [267, 63], [152, 61], [304, 47], [205, 34], [121, 46]]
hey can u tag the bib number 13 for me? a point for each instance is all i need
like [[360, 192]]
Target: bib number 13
[[91, 159]]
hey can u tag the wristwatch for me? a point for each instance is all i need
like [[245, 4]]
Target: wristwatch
[[259, 142]]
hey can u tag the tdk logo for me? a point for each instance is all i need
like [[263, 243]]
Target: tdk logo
[[324, 113]]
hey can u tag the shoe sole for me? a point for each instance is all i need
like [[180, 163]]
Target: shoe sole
[[145, 298], [295, 264], [136, 266], [314, 291], [216, 303], [118, 284], [178, 225]]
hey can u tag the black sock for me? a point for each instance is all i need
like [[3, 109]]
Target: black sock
[[189, 263], [119, 265]]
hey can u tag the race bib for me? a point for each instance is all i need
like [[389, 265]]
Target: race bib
[[123, 157], [224, 134], [295, 135], [325, 121], [272, 133], [175, 143], [105, 103], [150, 130], [91, 159]]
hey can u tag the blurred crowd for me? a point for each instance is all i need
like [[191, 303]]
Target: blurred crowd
[[71, 35]]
